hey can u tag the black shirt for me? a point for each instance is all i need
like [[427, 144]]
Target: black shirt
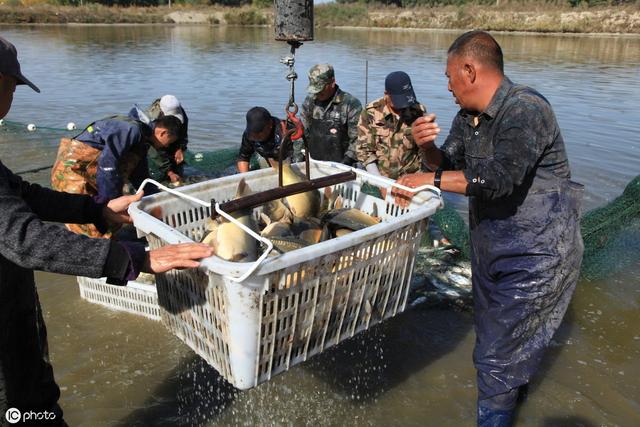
[[269, 148]]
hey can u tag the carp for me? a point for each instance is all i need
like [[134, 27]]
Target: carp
[[229, 241], [276, 210], [303, 205], [287, 244], [345, 219], [275, 229]]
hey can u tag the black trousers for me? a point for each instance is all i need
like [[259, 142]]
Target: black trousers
[[26, 376]]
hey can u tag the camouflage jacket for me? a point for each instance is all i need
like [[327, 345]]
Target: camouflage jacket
[[343, 108], [384, 139]]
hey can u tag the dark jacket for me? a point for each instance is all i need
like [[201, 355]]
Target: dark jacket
[[163, 160], [115, 137], [526, 246], [28, 243], [269, 149]]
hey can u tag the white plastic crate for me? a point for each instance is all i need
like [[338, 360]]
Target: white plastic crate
[[136, 298], [291, 306]]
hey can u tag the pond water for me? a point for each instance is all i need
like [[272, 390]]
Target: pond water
[[416, 369]]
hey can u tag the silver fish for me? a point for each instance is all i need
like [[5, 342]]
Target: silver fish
[[228, 240], [303, 205]]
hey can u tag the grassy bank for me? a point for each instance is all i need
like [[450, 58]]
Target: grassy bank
[[536, 17]]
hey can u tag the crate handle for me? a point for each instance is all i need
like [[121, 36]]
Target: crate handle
[[172, 191], [222, 213], [380, 179]]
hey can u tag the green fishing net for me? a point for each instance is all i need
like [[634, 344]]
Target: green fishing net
[[612, 234], [454, 229], [215, 162]]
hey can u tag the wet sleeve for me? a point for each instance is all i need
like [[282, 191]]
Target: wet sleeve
[[125, 261], [520, 142], [31, 243], [160, 161], [183, 141], [246, 149], [453, 147], [139, 174], [57, 206], [365, 145], [353, 116], [118, 141]]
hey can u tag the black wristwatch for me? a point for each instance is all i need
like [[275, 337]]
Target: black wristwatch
[[437, 178]]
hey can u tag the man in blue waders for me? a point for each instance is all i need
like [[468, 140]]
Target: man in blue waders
[[30, 240], [506, 153]]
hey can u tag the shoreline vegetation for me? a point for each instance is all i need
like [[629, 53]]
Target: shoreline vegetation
[[540, 17]]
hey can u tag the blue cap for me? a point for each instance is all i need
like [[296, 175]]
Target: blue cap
[[398, 86]]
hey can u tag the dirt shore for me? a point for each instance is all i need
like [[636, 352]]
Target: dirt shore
[[540, 18]]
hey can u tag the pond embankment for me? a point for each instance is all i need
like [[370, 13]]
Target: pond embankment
[[543, 18]]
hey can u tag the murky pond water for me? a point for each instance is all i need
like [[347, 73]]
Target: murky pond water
[[416, 369]]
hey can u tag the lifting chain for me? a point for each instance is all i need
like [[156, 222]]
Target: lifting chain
[[292, 76], [292, 128]]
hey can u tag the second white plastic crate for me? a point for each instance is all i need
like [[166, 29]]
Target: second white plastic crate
[[293, 305], [136, 298]]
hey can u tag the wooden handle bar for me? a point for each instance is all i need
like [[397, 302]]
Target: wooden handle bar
[[257, 199]]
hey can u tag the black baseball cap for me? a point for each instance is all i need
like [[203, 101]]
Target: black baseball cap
[[257, 119], [10, 66], [398, 86]]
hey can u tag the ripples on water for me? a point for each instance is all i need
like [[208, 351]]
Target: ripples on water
[[412, 370]]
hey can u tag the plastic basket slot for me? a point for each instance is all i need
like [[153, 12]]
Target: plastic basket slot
[[412, 237], [203, 326], [308, 310], [341, 295], [357, 297], [319, 318], [305, 312]]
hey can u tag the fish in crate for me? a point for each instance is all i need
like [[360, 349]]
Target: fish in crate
[[291, 277]]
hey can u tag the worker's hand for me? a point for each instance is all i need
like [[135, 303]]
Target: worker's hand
[[242, 166], [383, 192], [183, 255], [403, 197], [173, 177], [116, 210], [425, 130], [179, 156]]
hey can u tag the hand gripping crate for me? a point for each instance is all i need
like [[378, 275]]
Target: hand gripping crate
[[136, 298], [292, 306]]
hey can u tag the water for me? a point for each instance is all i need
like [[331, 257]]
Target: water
[[413, 370]]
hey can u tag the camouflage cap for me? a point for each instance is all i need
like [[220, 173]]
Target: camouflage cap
[[319, 76]]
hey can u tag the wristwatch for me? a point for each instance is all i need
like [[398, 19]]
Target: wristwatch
[[437, 178]]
